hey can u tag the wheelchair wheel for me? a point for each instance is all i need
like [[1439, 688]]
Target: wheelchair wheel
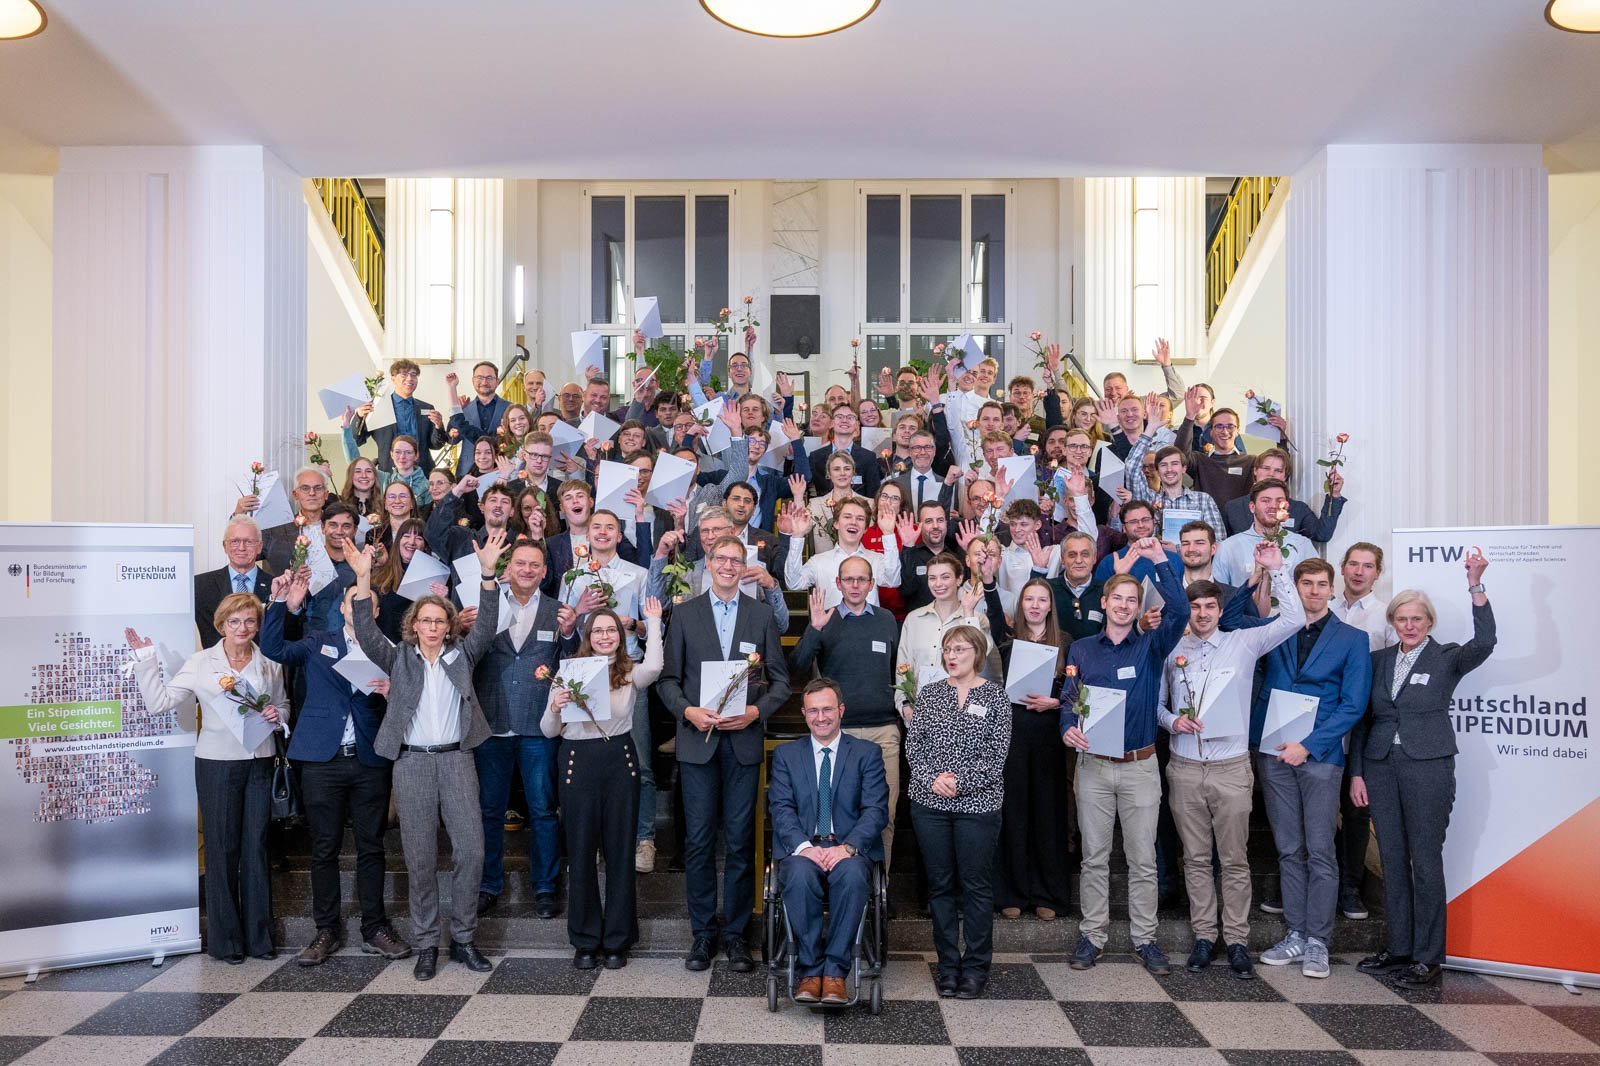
[[875, 996], [772, 993], [772, 929]]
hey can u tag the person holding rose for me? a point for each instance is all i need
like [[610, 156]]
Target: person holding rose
[[1403, 762], [233, 784], [598, 768]]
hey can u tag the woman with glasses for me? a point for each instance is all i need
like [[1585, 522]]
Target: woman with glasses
[[233, 783], [399, 504]]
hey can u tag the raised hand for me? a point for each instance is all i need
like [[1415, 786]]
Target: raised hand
[[652, 607], [749, 339], [785, 387], [1153, 417], [494, 545], [1107, 412], [800, 520], [1002, 484], [679, 510], [797, 487], [280, 585], [885, 382], [730, 418], [906, 529], [669, 544], [1077, 484], [348, 419], [1335, 483], [440, 589], [713, 346], [639, 342], [1151, 549], [1162, 353], [1036, 551], [135, 641], [1476, 565], [1268, 556], [933, 383], [1194, 402], [989, 566], [965, 532], [971, 597], [821, 614], [1123, 563], [360, 562], [566, 620], [451, 380], [635, 497]]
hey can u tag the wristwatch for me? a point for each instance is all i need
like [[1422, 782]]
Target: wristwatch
[[1476, 590], [850, 848]]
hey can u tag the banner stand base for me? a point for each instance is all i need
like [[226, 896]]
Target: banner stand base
[[1571, 980]]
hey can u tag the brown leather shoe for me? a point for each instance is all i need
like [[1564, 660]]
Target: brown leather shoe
[[1011, 912], [808, 990], [1044, 914], [833, 992]]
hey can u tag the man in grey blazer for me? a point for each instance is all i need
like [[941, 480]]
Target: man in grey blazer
[[432, 725], [720, 757]]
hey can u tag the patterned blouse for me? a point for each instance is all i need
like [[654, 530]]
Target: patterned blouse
[[970, 741]]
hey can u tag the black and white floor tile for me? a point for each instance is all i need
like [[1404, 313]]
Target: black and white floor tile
[[534, 1009]]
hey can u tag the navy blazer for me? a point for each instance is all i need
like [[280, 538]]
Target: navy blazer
[[860, 796], [513, 699], [470, 428], [691, 640], [1338, 672], [330, 699], [430, 436], [867, 468]]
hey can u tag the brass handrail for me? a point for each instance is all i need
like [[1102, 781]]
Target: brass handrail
[[352, 220], [1246, 204]]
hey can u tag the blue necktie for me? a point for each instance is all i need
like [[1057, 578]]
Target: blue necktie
[[922, 485], [825, 796], [239, 582]]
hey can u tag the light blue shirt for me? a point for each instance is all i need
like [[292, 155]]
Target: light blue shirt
[[246, 577], [725, 613], [1236, 558]]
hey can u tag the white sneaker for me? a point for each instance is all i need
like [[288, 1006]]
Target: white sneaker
[[644, 857], [1315, 963], [1286, 950]]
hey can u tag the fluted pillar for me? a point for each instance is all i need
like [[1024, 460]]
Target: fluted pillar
[[1417, 322]]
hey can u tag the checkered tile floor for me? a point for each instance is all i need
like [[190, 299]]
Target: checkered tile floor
[[535, 1009]]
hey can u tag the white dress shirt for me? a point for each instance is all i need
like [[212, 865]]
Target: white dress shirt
[[1016, 569], [438, 718], [1237, 650], [822, 569], [1370, 615], [816, 778]]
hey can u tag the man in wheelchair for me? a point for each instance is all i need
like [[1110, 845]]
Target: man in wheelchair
[[830, 802]]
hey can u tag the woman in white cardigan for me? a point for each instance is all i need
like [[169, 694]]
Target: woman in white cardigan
[[598, 774], [233, 783]]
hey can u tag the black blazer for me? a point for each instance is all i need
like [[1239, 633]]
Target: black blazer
[[1421, 713], [214, 586], [430, 436], [867, 468], [691, 640]]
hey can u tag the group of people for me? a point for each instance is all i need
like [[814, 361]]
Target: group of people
[[1175, 579]]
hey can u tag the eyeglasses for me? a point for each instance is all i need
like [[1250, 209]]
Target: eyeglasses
[[1079, 447], [1221, 427], [240, 543], [727, 560], [854, 579], [538, 455], [311, 489], [605, 631], [922, 447], [240, 623], [432, 622]]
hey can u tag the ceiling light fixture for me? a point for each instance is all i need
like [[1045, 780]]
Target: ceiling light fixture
[[789, 18], [1574, 16], [19, 19]]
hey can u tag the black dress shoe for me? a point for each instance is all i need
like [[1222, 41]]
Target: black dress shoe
[[947, 984], [583, 960], [1200, 956], [269, 954], [544, 905], [427, 964], [486, 903], [1384, 962], [1239, 962], [970, 987], [701, 953], [236, 959], [1418, 975], [739, 960], [616, 960], [469, 956]]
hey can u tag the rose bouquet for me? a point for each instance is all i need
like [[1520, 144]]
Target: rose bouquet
[[574, 692], [241, 692]]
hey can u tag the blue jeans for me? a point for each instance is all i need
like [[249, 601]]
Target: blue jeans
[[498, 759], [647, 773]]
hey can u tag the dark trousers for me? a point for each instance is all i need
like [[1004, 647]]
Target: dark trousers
[[1411, 803], [958, 855], [328, 791], [719, 794], [600, 811], [1169, 844], [235, 797], [1031, 862], [1355, 830], [805, 886], [500, 760]]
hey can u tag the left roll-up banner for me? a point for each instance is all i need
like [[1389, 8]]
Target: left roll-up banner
[[97, 794]]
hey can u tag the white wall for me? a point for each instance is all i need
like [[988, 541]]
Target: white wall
[[1574, 341], [25, 352]]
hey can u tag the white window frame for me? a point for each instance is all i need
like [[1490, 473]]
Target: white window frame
[[905, 329], [688, 330]]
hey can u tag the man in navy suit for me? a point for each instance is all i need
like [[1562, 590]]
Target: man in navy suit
[[844, 424], [413, 418], [480, 416], [1301, 781], [830, 802], [339, 772]]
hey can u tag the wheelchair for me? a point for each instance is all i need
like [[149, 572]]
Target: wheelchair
[[865, 979]]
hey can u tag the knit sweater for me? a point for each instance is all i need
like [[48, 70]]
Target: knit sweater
[[858, 652]]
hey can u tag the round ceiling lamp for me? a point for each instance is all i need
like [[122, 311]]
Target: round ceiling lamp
[[19, 19], [789, 18], [1574, 16]]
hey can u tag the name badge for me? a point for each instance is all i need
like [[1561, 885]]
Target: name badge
[[880, 647], [745, 647], [856, 480], [1126, 673], [1419, 679], [1287, 523], [330, 651], [1235, 471], [977, 710], [922, 571], [1096, 616], [546, 635], [452, 655]]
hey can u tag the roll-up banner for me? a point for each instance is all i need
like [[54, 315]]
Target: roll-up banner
[[1522, 855], [97, 794]]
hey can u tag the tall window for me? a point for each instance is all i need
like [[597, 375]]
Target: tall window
[[933, 264], [1146, 263], [670, 243]]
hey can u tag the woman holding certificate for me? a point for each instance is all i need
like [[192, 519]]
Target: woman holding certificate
[[240, 693], [1403, 760], [598, 771], [1030, 867], [959, 734]]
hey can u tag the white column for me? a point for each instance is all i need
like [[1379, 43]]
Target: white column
[[180, 332], [1417, 323], [1112, 265], [446, 281]]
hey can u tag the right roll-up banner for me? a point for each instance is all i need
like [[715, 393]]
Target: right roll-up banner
[[1522, 856]]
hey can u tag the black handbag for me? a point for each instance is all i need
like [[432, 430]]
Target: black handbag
[[285, 786]]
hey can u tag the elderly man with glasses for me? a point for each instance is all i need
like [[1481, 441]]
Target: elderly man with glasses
[[241, 540]]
